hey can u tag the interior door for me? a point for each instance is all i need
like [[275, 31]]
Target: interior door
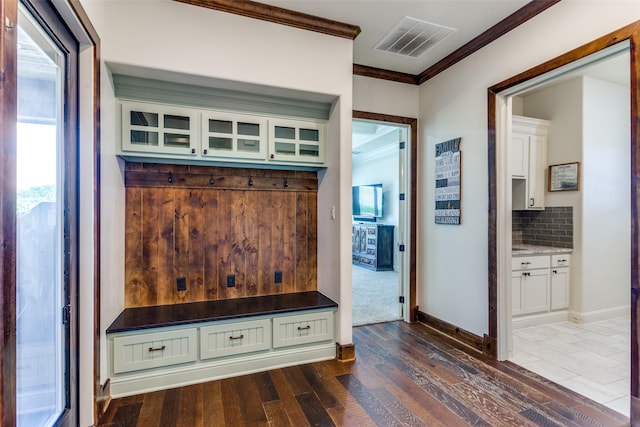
[[46, 219]]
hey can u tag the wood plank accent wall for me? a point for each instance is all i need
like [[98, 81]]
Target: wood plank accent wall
[[205, 232]]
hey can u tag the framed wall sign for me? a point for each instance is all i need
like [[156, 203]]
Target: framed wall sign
[[564, 177], [448, 182]]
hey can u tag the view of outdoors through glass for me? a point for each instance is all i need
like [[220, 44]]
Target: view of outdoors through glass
[[39, 300]]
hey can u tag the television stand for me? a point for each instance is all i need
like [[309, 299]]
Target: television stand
[[372, 246]]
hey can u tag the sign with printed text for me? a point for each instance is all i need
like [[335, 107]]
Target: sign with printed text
[[448, 180]]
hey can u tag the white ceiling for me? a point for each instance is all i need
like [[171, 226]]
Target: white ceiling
[[376, 18]]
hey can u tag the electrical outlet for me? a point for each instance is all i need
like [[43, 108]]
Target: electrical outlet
[[181, 283], [231, 280], [277, 277]]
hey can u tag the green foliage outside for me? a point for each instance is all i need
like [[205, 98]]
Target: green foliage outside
[[28, 199]]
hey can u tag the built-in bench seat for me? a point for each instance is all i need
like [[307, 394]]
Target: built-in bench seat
[[157, 347]]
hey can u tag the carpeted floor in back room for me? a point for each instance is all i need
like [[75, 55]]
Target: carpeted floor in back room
[[375, 296]]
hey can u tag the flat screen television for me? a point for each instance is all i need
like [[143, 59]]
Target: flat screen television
[[367, 201]]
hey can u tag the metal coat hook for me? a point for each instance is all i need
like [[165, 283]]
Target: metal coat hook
[[212, 181], [250, 182], [286, 183], [170, 179]]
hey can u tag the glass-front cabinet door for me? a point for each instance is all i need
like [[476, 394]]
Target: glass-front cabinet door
[[296, 141], [233, 136], [159, 129]]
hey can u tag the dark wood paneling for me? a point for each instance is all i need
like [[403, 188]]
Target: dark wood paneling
[[512, 21], [379, 73], [279, 15], [413, 169], [204, 234], [404, 375]]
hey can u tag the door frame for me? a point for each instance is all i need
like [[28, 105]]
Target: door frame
[[496, 108], [413, 173], [73, 15]]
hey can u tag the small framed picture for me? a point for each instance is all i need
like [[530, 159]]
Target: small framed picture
[[564, 177]]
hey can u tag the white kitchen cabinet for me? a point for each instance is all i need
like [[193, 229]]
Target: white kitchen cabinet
[[530, 284], [188, 135], [528, 162], [228, 135], [540, 283], [560, 281], [159, 129], [296, 141]]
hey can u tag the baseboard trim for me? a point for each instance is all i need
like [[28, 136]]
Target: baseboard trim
[[596, 315], [539, 319], [163, 378], [465, 337], [345, 352]]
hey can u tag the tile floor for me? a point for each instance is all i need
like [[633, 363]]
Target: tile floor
[[589, 358]]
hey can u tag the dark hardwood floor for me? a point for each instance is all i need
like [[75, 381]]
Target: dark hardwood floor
[[403, 375]]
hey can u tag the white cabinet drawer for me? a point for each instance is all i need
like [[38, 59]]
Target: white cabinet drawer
[[560, 260], [152, 350], [302, 329], [235, 338], [530, 262]]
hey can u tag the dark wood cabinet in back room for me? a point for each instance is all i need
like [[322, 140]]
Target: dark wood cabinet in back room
[[372, 246]]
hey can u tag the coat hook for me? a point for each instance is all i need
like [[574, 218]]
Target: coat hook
[[212, 181], [286, 183], [250, 182], [170, 179]]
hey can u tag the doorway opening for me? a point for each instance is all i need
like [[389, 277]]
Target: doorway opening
[[570, 323]]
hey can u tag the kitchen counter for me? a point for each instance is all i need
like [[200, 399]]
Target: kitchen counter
[[520, 249]]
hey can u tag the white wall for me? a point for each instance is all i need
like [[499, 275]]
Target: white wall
[[385, 97], [606, 196], [179, 38], [452, 260]]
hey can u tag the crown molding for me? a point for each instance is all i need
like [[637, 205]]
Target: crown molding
[[379, 73], [279, 15], [512, 21]]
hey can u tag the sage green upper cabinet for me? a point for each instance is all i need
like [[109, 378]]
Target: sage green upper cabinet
[[228, 135], [160, 129], [296, 141], [156, 132]]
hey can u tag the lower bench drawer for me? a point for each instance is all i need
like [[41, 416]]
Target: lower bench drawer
[[302, 329], [235, 338], [152, 350]]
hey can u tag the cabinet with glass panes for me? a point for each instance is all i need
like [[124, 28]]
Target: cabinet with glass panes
[[157, 132]]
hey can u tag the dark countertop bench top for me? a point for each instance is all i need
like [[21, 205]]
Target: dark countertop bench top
[[132, 319]]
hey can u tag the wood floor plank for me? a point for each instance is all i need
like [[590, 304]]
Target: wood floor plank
[[151, 409], [403, 374], [313, 410], [249, 402], [276, 414], [289, 402], [374, 408], [213, 409], [266, 388]]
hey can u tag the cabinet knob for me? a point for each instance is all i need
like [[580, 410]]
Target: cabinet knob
[[206, 151], [272, 156], [555, 271], [193, 151]]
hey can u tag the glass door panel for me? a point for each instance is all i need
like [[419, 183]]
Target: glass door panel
[[42, 349]]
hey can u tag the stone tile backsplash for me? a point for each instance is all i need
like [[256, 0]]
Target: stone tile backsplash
[[550, 227]]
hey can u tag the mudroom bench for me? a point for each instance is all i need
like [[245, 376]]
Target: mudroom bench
[[158, 347]]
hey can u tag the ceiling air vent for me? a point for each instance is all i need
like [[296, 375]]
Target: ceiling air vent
[[413, 38]]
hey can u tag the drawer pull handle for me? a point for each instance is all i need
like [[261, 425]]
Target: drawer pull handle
[[301, 328], [562, 260], [237, 338], [525, 263], [151, 349]]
